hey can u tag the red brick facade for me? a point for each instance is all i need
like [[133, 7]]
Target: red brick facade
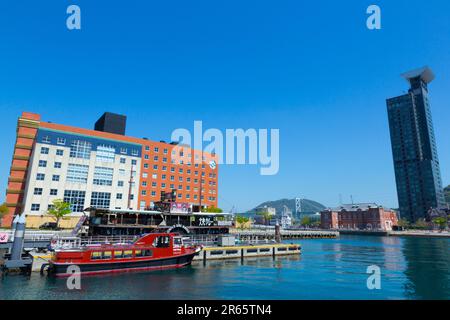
[[359, 217]]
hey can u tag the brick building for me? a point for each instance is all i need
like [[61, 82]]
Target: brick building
[[363, 216], [101, 168]]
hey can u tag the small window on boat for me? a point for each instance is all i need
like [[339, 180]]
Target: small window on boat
[[138, 253], [96, 255], [107, 255], [162, 242], [147, 253], [128, 254], [118, 254]]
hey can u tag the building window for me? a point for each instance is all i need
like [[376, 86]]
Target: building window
[[155, 167], [144, 183], [105, 153], [153, 193], [156, 149], [59, 152], [35, 207], [80, 149], [58, 165], [163, 185], [145, 175], [146, 157], [103, 176], [101, 200], [40, 177], [76, 199], [37, 191], [123, 160], [61, 141], [147, 148], [143, 192], [46, 139], [120, 183], [154, 184], [165, 151], [53, 192], [119, 196], [163, 177], [134, 152], [133, 162], [77, 173], [55, 177], [42, 163], [145, 165], [123, 150], [142, 205], [122, 172], [45, 150]]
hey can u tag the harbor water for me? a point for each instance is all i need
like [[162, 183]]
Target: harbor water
[[411, 268]]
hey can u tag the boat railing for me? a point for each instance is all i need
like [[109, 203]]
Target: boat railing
[[213, 240], [67, 242]]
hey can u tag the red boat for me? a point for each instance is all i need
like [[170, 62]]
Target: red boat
[[153, 251]]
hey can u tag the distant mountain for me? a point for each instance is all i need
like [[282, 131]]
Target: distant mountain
[[447, 194], [308, 206]]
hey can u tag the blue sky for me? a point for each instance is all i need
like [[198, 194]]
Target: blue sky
[[309, 68]]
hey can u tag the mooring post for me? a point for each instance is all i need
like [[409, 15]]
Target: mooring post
[[277, 233], [19, 234]]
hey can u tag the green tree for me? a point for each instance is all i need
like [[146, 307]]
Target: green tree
[[3, 211], [404, 223], [242, 221], [213, 209], [306, 221], [420, 224], [441, 222], [59, 210], [266, 216]]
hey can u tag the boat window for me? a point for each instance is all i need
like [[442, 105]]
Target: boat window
[[107, 255], [162, 242], [177, 241], [118, 254], [128, 254], [96, 255], [138, 253], [148, 253]]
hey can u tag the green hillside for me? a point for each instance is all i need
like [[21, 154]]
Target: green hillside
[[308, 206]]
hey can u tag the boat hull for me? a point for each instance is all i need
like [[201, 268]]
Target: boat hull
[[61, 269]]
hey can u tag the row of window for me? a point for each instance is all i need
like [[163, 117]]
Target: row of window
[[78, 173], [82, 149], [120, 254], [45, 150]]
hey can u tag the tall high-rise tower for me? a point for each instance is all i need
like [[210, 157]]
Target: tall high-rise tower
[[416, 163]]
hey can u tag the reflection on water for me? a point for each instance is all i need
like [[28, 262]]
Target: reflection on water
[[412, 268], [427, 268]]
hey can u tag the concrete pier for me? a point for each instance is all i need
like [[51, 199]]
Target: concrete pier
[[242, 252], [258, 235]]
